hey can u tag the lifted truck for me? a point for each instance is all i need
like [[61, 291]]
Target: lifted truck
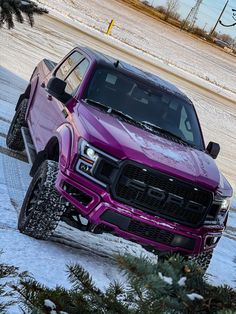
[[116, 149]]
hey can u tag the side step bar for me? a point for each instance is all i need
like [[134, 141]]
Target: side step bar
[[29, 146]]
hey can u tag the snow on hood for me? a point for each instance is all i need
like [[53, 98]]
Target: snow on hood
[[126, 141]]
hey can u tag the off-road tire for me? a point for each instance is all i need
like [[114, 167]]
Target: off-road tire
[[203, 259], [14, 138], [43, 206]]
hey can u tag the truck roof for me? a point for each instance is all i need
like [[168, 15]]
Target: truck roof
[[131, 70]]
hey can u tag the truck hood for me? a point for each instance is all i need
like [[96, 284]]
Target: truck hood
[[125, 141]]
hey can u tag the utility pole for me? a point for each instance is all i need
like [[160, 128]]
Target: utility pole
[[223, 10], [205, 26], [192, 16]]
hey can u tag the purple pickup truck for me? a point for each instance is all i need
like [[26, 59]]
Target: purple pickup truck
[[116, 149]]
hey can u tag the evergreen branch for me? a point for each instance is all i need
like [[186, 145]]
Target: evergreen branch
[[174, 286], [81, 279], [15, 8]]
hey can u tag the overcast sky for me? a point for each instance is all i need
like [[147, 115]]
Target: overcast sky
[[208, 13]]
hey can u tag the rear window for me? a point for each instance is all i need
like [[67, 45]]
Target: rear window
[[68, 65]]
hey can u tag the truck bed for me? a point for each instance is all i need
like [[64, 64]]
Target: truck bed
[[50, 64]]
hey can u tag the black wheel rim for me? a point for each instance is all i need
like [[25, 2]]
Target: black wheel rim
[[33, 199]]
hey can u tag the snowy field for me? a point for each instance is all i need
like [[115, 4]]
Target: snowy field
[[161, 40], [20, 50]]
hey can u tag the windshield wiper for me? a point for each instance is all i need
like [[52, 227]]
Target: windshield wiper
[[112, 110], [97, 104], [123, 115], [147, 125], [163, 131]]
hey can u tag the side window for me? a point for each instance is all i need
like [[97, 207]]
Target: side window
[[185, 125], [68, 65], [75, 77]]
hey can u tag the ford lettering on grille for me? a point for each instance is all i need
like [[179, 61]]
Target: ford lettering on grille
[[163, 199], [161, 195]]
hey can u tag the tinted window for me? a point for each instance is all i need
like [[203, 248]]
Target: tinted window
[[146, 103], [68, 65], [185, 125], [75, 77]]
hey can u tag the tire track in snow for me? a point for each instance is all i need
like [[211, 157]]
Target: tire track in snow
[[3, 135], [6, 227], [5, 120], [15, 172], [10, 153]]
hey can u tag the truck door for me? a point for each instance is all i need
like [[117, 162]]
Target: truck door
[[49, 109]]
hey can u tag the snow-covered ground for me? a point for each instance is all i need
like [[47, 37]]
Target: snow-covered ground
[[161, 40], [20, 50]]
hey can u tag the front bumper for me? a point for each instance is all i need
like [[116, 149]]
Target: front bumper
[[96, 204]]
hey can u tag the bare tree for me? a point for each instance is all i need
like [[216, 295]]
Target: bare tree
[[172, 7], [17, 8]]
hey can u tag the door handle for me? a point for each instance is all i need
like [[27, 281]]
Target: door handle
[[49, 97], [43, 85], [64, 112]]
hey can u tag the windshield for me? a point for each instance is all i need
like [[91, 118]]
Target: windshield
[[146, 104]]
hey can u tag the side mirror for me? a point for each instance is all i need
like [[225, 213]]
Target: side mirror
[[213, 149], [56, 88]]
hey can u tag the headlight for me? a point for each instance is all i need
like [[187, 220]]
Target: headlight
[[88, 156], [95, 164], [218, 210], [87, 151], [90, 153], [225, 204]]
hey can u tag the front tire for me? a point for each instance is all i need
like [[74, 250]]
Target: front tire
[[203, 259], [14, 138], [43, 206]]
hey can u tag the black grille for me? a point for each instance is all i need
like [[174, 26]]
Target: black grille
[[150, 232], [162, 195], [147, 231]]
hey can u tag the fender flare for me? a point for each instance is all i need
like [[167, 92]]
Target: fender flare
[[61, 140], [26, 94], [33, 88], [66, 138]]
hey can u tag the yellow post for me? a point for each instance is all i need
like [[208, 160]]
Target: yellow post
[[108, 32]]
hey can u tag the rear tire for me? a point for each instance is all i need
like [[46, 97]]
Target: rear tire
[[43, 206], [14, 138]]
